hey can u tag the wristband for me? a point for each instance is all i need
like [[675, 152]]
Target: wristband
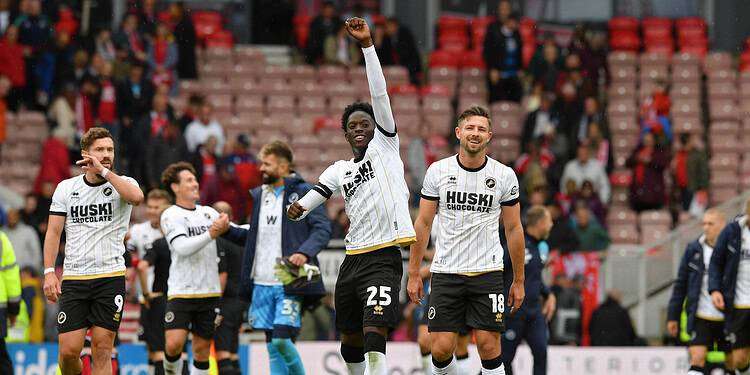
[[49, 270], [104, 173]]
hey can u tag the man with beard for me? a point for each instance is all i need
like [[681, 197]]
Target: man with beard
[[276, 307]]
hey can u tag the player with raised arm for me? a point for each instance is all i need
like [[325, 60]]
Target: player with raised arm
[[194, 288], [377, 203], [471, 190], [94, 211]]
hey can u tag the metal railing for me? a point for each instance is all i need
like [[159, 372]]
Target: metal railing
[[644, 273]]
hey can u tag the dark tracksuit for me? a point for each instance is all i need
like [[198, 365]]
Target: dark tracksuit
[[724, 266], [687, 286], [528, 323]]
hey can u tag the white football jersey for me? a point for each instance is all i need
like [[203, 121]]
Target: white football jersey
[[468, 217], [142, 235], [195, 275], [375, 195], [96, 220]]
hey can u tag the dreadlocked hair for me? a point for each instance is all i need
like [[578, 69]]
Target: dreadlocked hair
[[354, 107]]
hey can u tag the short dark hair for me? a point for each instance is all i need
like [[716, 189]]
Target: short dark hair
[[354, 107], [196, 99], [171, 174], [279, 149], [534, 215], [158, 194], [92, 135], [474, 111]]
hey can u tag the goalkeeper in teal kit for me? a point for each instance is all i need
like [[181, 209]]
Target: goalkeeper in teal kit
[[280, 272]]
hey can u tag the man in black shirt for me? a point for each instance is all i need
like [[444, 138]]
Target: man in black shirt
[[226, 337]]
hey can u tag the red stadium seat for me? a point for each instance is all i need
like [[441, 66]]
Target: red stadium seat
[[220, 39], [619, 58], [472, 59], [624, 41], [690, 23], [623, 23], [451, 24], [651, 23], [206, 23], [444, 58]]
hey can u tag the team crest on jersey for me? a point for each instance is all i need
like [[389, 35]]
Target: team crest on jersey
[[107, 191], [169, 317], [431, 313], [490, 182], [61, 317], [452, 179], [293, 197], [207, 216]]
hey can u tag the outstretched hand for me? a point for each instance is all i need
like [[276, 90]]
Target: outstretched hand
[[358, 29]]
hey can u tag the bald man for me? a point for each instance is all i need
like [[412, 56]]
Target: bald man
[[705, 322]]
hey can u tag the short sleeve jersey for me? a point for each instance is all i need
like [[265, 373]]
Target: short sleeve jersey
[[96, 220], [375, 194], [195, 275], [468, 218]]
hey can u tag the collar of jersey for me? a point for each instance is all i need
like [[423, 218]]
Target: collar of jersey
[[92, 184], [185, 208], [275, 190], [471, 169]]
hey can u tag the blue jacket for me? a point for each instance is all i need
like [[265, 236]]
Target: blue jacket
[[687, 286], [308, 236], [535, 258], [725, 261]]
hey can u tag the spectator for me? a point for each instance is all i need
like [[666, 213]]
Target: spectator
[[339, 49], [564, 197], [129, 39], [242, 164], [162, 58], [184, 34], [12, 66], [107, 109], [600, 146], [569, 108], [5, 15], [396, 46], [25, 241], [4, 88], [591, 235], [54, 163], [202, 127], [533, 100], [588, 196], [86, 104], [63, 53], [149, 126], [104, 45], [340, 226], [583, 168], [540, 122], [568, 294], [591, 114], [230, 191], [545, 64], [209, 181], [164, 148], [690, 170], [324, 25], [532, 167], [574, 75], [194, 105], [34, 32], [610, 323], [560, 236], [502, 56], [62, 115], [134, 96], [33, 215], [147, 17], [648, 162], [655, 114], [504, 10], [592, 53]]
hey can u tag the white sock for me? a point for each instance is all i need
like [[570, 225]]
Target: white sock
[[356, 368], [151, 369], [196, 371], [376, 364], [495, 371], [693, 372], [447, 370], [173, 368], [427, 363], [462, 364]]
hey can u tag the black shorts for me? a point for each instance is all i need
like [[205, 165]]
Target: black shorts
[[94, 302], [227, 335], [367, 290], [459, 301], [709, 333], [739, 329], [197, 315], [152, 324]]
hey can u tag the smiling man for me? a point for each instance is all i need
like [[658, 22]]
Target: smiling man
[[377, 203], [94, 210]]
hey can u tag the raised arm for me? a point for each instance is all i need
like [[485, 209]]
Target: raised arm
[[358, 29]]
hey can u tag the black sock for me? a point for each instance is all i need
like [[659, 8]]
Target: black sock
[[352, 354], [172, 358], [150, 362], [462, 356], [442, 364], [696, 368], [374, 342], [200, 365], [185, 367], [741, 370], [225, 366], [158, 367], [492, 364], [236, 364]]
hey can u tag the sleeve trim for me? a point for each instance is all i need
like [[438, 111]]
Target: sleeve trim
[[58, 213], [323, 190], [509, 203], [177, 236], [387, 133], [429, 197]]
